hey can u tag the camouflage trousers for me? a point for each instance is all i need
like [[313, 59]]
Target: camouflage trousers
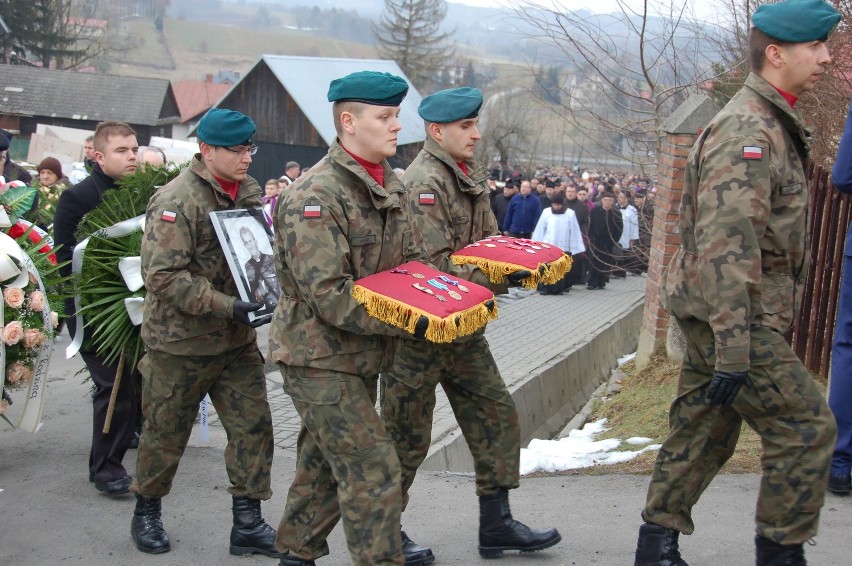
[[481, 403], [346, 468], [172, 388], [782, 404]]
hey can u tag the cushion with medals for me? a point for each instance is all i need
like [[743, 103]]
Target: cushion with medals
[[400, 296], [499, 256]]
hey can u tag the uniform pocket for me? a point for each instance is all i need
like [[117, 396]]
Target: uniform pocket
[[776, 301], [312, 390]]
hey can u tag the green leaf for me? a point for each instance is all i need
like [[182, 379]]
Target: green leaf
[[103, 292], [19, 200]]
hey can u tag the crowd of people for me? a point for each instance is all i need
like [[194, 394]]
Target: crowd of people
[[730, 289], [603, 218]]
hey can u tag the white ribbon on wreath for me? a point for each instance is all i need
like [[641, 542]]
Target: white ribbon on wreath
[[30, 419], [131, 271], [117, 230]]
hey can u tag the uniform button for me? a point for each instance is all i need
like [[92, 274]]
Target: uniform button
[[311, 351]]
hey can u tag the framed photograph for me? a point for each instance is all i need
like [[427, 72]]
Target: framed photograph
[[247, 242]]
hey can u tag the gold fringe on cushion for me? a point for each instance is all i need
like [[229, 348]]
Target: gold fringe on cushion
[[402, 315], [547, 273]]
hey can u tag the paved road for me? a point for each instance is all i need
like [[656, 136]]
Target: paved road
[[50, 514]]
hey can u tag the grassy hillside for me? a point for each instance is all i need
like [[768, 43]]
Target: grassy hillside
[[197, 48]]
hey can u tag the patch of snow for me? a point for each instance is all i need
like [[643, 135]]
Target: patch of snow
[[579, 450], [624, 359]]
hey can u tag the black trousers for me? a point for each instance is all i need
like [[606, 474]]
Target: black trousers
[[107, 453]]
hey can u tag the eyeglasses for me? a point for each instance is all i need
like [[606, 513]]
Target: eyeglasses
[[250, 150]]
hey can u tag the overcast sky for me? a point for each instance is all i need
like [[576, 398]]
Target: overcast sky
[[704, 9]]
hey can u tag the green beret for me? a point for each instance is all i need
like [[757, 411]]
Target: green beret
[[450, 105], [369, 87], [796, 21], [224, 128]]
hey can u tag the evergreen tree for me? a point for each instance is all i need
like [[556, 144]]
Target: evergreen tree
[[470, 75], [409, 32], [51, 39], [53, 33]]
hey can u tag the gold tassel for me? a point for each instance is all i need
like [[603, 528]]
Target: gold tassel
[[546, 273], [405, 316]]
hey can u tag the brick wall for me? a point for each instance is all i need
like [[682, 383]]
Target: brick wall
[[679, 133]]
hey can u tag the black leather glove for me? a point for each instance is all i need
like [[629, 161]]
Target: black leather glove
[[420, 328], [490, 305], [724, 387], [516, 278], [242, 310]]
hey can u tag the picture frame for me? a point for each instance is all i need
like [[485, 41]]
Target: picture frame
[[247, 242]]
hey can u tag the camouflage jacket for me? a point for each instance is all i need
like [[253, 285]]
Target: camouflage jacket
[[333, 226], [743, 223], [191, 292], [452, 209]]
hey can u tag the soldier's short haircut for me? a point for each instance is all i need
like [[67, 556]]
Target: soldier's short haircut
[[342, 106], [106, 130], [291, 164], [757, 44]]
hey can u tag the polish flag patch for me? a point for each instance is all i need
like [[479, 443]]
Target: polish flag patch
[[752, 152], [312, 211], [168, 216], [427, 198]]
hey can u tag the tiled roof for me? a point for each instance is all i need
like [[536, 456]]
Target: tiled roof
[[197, 97], [29, 91]]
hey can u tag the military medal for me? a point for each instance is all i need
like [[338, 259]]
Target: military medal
[[454, 283], [455, 295], [418, 276], [529, 251], [400, 271], [440, 298], [514, 247], [491, 245], [420, 287], [437, 284]]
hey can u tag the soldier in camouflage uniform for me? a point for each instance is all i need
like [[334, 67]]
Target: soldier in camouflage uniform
[[450, 203], [732, 287], [345, 219], [199, 339]]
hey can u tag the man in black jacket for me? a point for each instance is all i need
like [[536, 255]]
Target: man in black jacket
[[115, 157], [605, 227]]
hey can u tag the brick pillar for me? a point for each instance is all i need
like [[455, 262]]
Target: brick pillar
[[678, 132]]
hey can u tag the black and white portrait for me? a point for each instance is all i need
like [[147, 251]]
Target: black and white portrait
[[247, 243]]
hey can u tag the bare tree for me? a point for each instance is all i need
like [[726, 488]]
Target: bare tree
[[630, 70], [409, 32], [824, 108], [507, 128]]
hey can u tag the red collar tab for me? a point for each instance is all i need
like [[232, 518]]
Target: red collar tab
[[791, 99], [375, 170], [230, 187]]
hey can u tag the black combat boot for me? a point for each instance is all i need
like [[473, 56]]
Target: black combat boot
[[287, 560], [415, 555], [147, 526], [498, 531], [250, 533], [770, 553], [657, 546]]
